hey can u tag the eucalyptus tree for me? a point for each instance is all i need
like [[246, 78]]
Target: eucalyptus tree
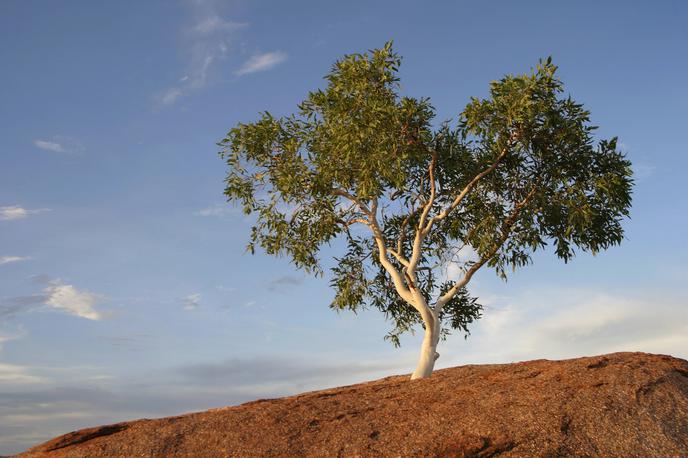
[[518, 171]]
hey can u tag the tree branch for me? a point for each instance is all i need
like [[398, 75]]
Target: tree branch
[[356, 220], [457, 201], [403, 261], [364, 208], [372, 223], [431, 200], [402, 228], [506, 231], [420, 232], [397, 279]]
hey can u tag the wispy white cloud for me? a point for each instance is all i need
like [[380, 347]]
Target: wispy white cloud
[[49, 146], [15, 212], [59, 144], [192, 301], [73, 301], [6, 336], [170, 96], [261, 62], [205, 43], [283, 373], [11, 373], [570, 323], [9, 259], [56, 295], [212, 23], [216, 210]]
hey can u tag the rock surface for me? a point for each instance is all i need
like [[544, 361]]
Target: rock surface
[[617, 405]]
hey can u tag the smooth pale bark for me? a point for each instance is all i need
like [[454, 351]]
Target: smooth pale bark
[[428, 350], [406, 285]]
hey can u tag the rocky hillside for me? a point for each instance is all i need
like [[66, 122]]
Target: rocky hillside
[[617, 405]]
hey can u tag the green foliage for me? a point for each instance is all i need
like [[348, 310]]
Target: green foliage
[[524, 157]]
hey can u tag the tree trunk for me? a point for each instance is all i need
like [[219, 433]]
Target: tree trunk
[[428, 353]]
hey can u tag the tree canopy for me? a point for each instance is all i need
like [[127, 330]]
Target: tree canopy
[[518, 171]]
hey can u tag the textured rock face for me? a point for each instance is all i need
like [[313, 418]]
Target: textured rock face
[[617, 405]]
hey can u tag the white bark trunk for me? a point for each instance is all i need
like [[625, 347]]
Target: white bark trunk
[[428, 351]]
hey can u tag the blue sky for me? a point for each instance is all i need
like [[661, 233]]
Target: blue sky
[[124, 288]]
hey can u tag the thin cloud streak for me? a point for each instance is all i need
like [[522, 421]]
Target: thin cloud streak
[[49, 146], [205, 44], [170, 96], [59, 144], [262, 62], [11, 373], [9, 259], [15, 212], [216, 210], [257, 371]]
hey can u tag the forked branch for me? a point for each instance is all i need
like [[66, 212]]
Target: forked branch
[[464, 192], [506, 231], [378, 236]]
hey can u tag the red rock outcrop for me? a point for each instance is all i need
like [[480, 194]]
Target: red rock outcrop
[[617, 405]]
